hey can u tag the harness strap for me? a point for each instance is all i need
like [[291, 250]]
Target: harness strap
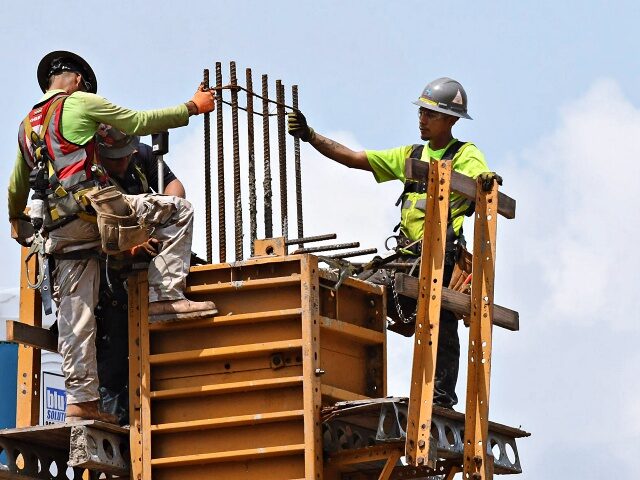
[[38, 139]]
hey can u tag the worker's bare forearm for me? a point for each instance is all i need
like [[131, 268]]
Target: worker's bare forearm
[[338, 152]]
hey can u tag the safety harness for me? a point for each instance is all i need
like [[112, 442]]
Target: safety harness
[[54, 202]]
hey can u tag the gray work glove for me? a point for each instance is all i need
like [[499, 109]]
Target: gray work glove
[[297, 126]]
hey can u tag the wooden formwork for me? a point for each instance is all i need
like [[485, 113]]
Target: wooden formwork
[[239, 395]]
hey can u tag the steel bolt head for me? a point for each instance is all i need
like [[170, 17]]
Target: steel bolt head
[[421, 443], [478, 460], [420, 460]]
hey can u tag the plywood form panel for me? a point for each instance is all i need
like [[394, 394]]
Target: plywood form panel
[[288, 467], [265, 267], [355, 303], [222, 371], [226, 439], [230, 404], [224, 336], [260, 300]]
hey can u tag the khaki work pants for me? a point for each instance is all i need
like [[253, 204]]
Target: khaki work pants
[[76, 282]]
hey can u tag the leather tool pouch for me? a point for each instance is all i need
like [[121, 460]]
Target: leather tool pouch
[[117, 222]]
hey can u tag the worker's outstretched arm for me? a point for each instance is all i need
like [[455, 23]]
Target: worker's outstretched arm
[[299, 128]]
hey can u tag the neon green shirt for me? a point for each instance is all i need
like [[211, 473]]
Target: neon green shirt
[[82, 113], [389, 165]]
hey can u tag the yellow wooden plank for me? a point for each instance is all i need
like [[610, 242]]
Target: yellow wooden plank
[[246, 263], [389, 465], [312, 397], [365, 454], [237, 319], [234, 421], [476, 429], [245, 285], [135, 430], [28, 394], [235, 351], [282, 382], [428, 313], [234, 455], [354, 332], [145, 370]]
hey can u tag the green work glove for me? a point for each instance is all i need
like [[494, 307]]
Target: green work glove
[[487, 179], [297, 126]]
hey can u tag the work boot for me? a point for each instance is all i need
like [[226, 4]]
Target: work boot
[[88, 411], [184, 309]]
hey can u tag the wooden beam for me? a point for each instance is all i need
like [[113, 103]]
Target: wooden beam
[[365, 454], [425, 347], [29, 361], [135, 419], [311, 388], [418, 170], [389, 465], [37, 337], [458, 302], [476, 426]]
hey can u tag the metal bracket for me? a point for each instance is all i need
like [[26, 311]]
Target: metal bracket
[[361, 424], [95, 449]]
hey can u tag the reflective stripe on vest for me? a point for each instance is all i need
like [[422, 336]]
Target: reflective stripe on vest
[[71, 163]]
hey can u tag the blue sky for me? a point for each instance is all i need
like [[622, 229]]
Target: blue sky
[[553, 89]]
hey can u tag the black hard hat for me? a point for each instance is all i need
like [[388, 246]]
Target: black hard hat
[[444, 95], [61, 61]]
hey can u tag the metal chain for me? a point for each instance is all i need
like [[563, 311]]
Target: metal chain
[[396, 300]]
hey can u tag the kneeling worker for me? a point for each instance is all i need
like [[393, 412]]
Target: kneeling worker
[[133, 169]]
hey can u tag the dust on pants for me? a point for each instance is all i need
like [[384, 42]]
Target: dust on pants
[[76, 282], [170, 220]]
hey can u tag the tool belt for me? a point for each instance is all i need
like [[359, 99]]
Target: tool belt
[[117, 222]]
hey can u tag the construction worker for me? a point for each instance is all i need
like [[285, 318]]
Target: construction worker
[[56, 159], [132, 168], [442, 102]]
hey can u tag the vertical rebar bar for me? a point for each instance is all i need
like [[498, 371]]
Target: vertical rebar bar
[[237, 193], [298, 169], [268, 193], [252, 162], [222, 234], [207, 173], [282, 156]]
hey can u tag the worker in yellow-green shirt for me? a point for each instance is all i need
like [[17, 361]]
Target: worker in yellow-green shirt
[[441, 104], [57, 161]]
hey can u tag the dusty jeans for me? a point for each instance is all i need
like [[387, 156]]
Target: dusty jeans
[[76, 282]]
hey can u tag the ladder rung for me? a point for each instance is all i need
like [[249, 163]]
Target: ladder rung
[[245, 386], [230, 456], [355, 332], [235, 421], [245, 284], [237, 319], [235, 351]]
